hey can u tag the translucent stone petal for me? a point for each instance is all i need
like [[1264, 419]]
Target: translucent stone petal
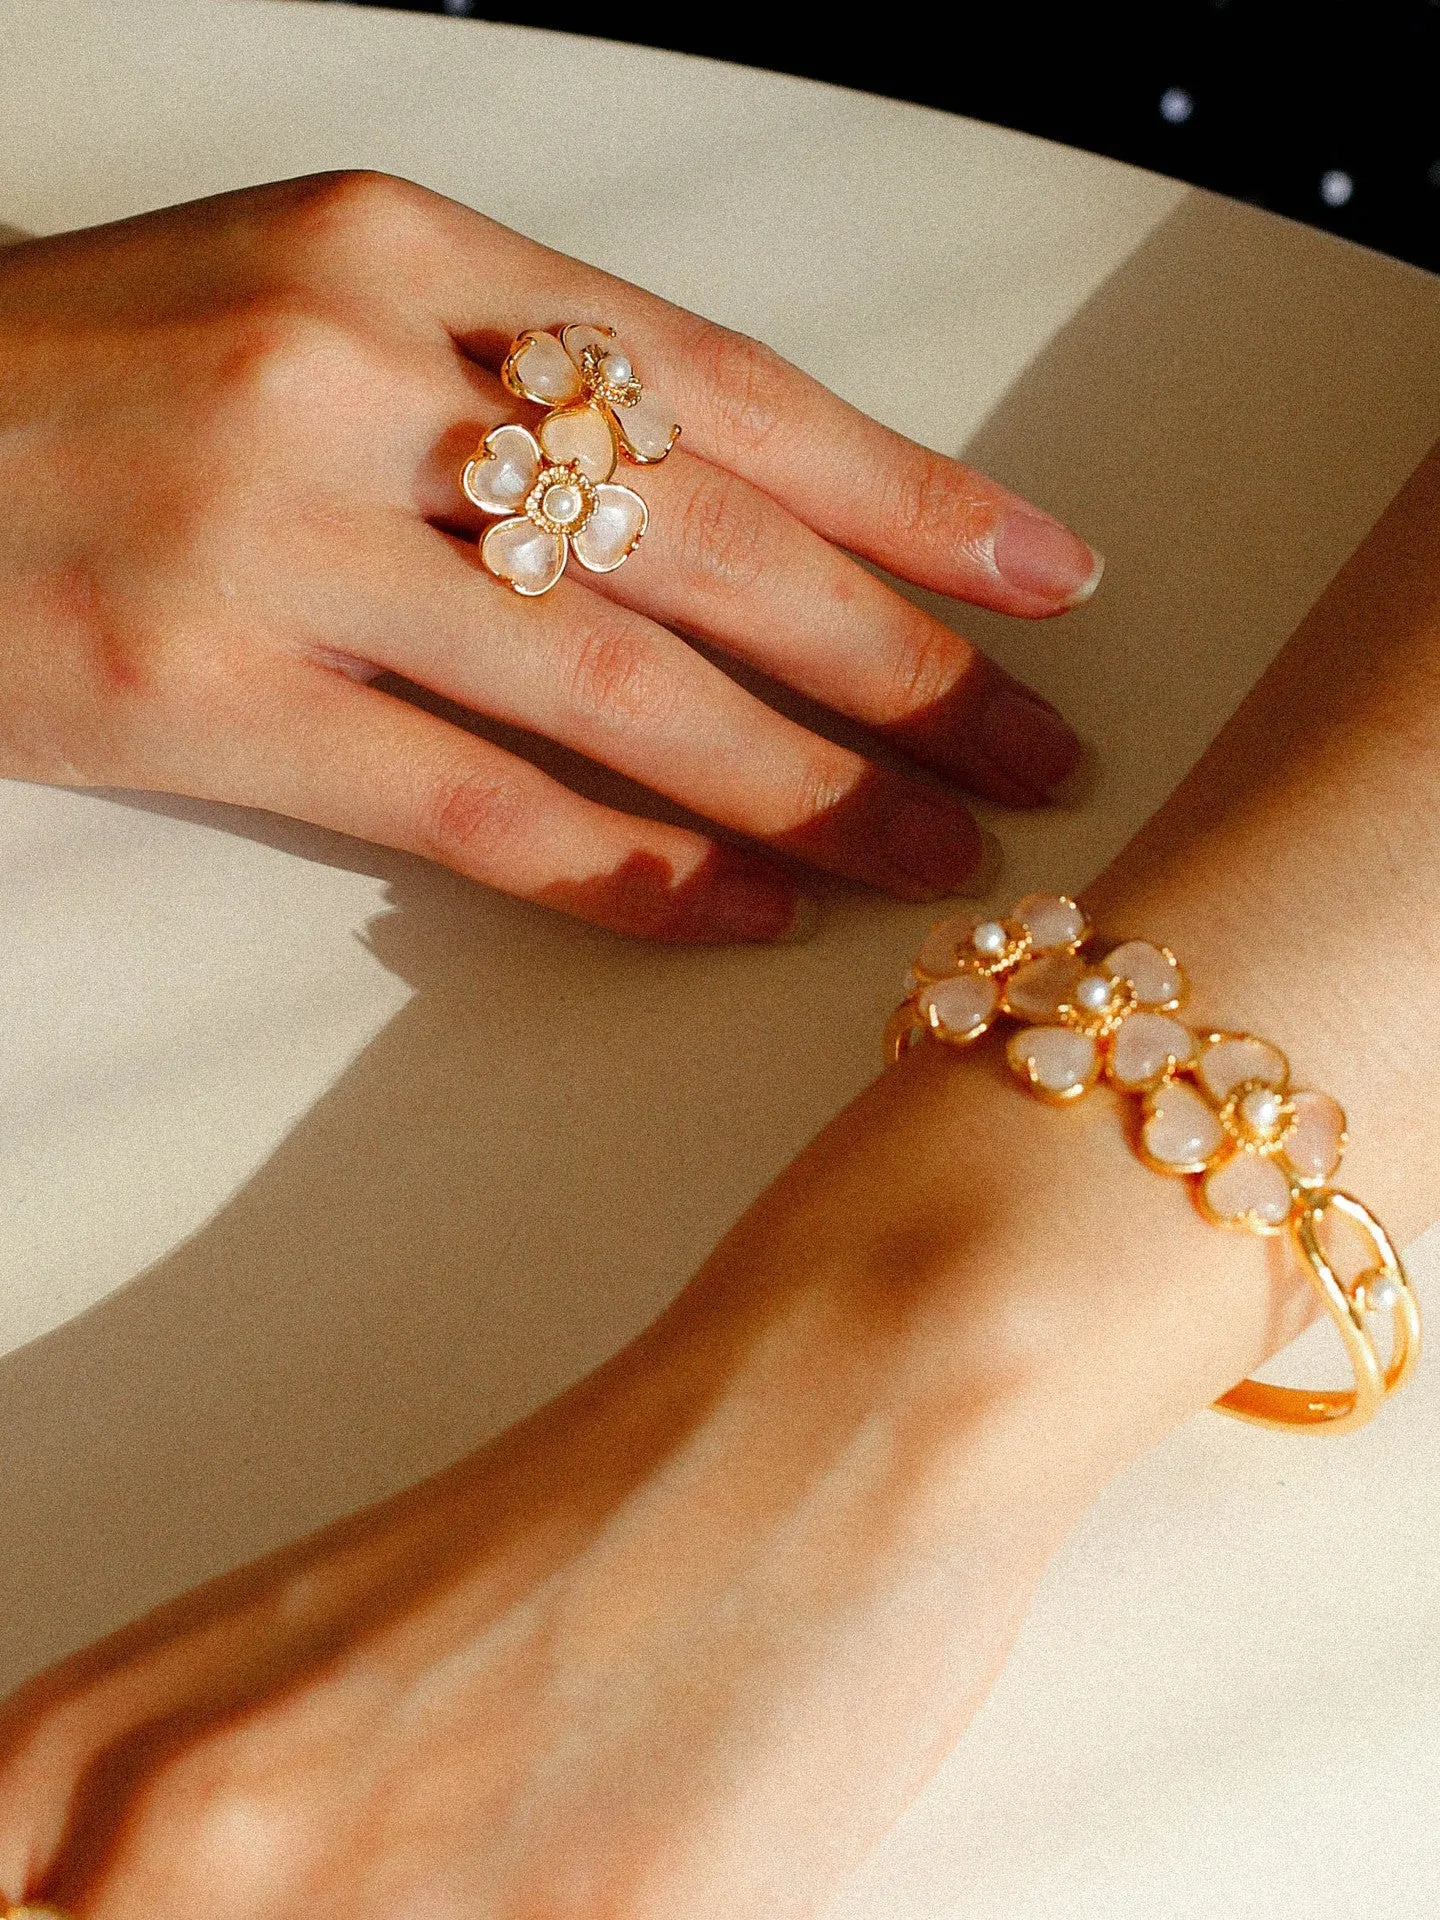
[[961, 1007], [538, 368], [523, 555], [578, 335], [940, 950], [580, 437], [1181, 1129], [1054, 1059], [1053, 920], [1248, 1190], [499, 477], [1315, 1143], [612, 532], [1155, 976], [648, 430], [1148, 1046], [1228, 1061], [1036, 990]]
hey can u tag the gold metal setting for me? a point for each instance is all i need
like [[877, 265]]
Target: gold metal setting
[[1351, 1308], [560, 476], [1262, 1154], [612, 394], [1104, 1022]]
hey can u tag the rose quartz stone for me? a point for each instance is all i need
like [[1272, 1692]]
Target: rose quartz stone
[[1181, 1130], [543, 370], [1147, 1046], [1038, 989], [1315, 1143], [525, 556], [1052, 920], [961, 1007], [649, 427], [613, 530], [1157, 980], [1249, 1185], [942, 946], [498, 479], [580, 437], [1055, 1059], [1225, 1064]]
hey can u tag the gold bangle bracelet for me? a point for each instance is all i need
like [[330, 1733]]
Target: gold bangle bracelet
[[34, 1913], [1215, 1107]]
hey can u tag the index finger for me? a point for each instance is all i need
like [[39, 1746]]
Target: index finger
[[916, 512]]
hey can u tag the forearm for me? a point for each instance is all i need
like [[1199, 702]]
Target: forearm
[[686, 1640], [1297, 873], [903, 1376]]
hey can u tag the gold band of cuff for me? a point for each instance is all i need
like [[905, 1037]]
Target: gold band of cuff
[[1216, 1108]]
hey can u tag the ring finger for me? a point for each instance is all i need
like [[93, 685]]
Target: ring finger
[[610, 683]]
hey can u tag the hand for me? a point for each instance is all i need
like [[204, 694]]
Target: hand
[[230, 441], [685, 1642]]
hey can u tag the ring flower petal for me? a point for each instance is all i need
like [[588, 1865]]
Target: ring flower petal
[[612, 532], [580, 436], [503, 471], [525, 557], [538, 368]]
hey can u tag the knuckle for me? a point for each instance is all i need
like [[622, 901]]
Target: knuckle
[[923, 503], [821, 783], [617, 678], [747, 385], [473, 814], [721, 532], [357, 204], [923, 668], [274, 345]]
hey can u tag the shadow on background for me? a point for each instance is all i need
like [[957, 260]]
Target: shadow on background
[[524, 1165]]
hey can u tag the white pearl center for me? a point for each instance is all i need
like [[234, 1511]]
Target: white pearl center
[[1261, 1110], [563, 504], [1094, 993], [989, 937], [617, 369], [1382, 1290]]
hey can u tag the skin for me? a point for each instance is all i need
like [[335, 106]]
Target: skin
[[688, 1640], [231, 435]]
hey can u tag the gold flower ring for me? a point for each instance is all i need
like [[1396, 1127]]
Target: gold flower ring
[[551, 492]]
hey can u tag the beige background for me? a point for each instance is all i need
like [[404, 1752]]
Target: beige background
[[318, 1164]]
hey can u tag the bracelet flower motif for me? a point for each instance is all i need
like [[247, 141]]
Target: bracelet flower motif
[[554, 486], [1218, 1106]]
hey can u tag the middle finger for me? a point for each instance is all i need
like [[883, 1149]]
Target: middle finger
[[724, 561]]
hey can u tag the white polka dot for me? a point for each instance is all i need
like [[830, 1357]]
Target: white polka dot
[[1176, 106]]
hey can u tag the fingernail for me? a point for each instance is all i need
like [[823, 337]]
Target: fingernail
[[1044, 558], [1026, 738], [932, 845]]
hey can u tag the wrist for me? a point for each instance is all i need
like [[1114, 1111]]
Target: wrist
[[996, 1267]]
